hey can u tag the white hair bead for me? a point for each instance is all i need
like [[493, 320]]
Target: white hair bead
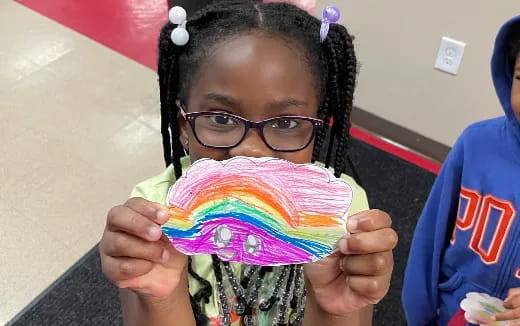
[[180, 36], [177, 15]]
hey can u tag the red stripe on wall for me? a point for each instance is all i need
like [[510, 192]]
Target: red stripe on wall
[[402, 153]]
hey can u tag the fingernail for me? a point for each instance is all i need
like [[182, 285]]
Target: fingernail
[[352, 224], [493, 318], [162, 214], [165, 255], [154, 232], [343, 246]]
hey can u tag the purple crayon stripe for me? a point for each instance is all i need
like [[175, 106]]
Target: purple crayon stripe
[[271, 250]]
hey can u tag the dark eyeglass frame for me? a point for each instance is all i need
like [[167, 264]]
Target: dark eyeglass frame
[[190, 117]]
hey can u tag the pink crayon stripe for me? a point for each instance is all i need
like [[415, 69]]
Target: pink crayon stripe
[[307, 187]]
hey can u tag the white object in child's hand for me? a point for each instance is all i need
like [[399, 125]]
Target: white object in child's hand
[[479, 307]]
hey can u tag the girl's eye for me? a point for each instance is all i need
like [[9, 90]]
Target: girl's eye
[[284, 124], [223, 120]]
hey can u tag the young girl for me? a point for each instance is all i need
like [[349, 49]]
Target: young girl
[[249, 62]]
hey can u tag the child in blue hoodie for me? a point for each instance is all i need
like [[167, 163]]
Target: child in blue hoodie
[[467, 238]]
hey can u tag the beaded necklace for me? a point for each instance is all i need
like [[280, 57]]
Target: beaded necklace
[[288, 293]]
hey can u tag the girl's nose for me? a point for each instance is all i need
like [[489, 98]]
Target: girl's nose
[[252, 146]]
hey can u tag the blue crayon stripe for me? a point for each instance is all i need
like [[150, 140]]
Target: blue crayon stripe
[[192, 233], [312, 247]]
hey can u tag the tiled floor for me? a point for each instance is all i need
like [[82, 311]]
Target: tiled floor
[[79, 125]]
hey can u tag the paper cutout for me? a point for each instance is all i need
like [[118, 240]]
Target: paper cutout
[[479, 307], [261, 211]]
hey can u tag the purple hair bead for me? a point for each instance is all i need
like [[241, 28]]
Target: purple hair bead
[[331, 14]]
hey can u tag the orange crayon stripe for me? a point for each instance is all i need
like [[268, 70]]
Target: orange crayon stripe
[[178, 213], [225, 188], [318, 220]]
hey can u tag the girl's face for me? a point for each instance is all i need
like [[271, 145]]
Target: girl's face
[[255, 77]]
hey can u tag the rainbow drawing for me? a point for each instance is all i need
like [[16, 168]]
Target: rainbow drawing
[[261, 211]]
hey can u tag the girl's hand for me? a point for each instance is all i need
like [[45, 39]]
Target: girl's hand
[[136, 255], [512, 304], [359, 273]]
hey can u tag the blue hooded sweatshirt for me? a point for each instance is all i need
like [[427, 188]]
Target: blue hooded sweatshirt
[[467, 238]]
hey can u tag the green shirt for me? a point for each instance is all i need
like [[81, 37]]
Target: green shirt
[[156, 188]]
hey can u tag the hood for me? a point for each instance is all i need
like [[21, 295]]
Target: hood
[[502, 72]]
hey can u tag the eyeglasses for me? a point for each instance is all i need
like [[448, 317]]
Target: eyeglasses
[[224, 130]]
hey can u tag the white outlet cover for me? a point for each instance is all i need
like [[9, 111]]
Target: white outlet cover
[[450, 55]]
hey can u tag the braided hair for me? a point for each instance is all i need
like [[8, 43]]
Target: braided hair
[[333, 63]]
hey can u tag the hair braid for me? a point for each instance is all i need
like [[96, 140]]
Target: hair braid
[[168, 87], [340, 91], [165, 62]]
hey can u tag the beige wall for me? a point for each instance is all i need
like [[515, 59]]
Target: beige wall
[[397, 43]]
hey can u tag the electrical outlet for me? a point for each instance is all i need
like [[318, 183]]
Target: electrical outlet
[[450, 55]]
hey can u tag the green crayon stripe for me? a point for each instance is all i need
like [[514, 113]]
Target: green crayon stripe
[[329, 239], [228, 206]]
